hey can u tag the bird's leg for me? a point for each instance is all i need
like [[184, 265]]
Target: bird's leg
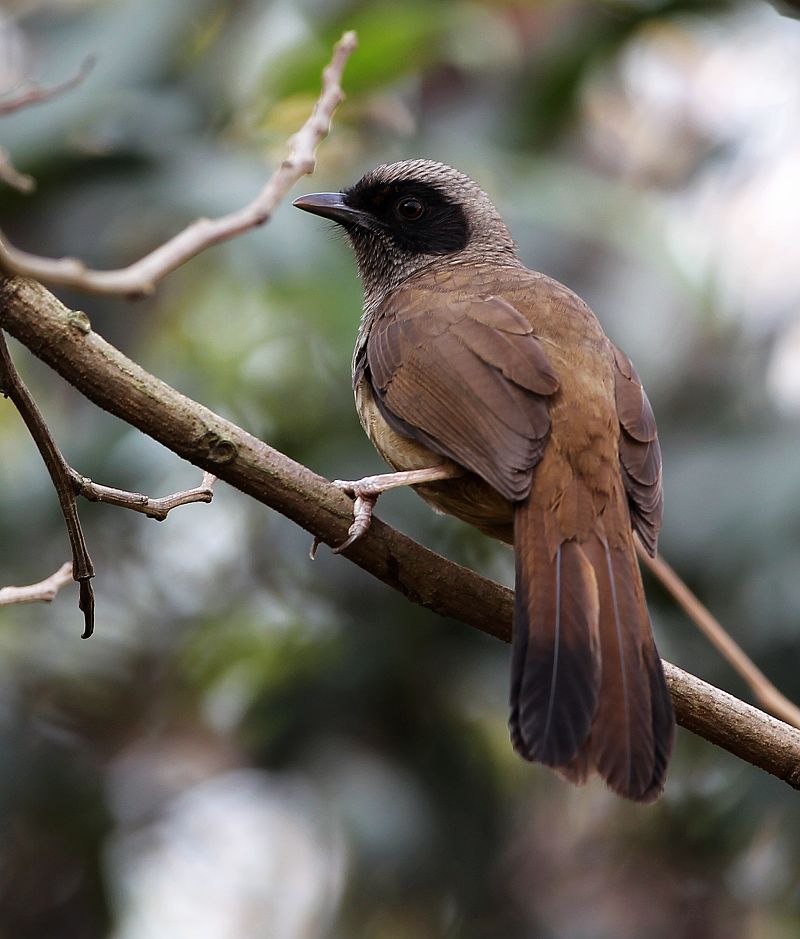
[[365, 492]]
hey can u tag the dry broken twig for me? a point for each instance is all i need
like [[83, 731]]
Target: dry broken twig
[[142, 276], [137, 502], [109, 379], [33, 93], [44, 591], [765, 692]]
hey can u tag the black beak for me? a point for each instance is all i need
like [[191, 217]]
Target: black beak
[[330, 205]]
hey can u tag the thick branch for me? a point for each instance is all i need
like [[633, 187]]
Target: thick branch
[[64, 340], [44, 591], [142, 276]]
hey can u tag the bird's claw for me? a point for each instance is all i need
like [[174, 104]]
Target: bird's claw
[[362, 517], [365, 499]]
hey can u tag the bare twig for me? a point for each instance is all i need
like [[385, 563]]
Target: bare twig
[[153, 508], [101, 373], [36, 94], [12, 385], [45, 590], [11, 176], [765, 692], [142, 276]]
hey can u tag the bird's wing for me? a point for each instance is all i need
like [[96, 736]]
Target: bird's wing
[[639, 452], [468, 379]]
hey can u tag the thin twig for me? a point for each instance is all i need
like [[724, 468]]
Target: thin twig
[[36, 94], [13, 387], [45, 590], [11, 176], [141, 277], [104, 375], [768, 696], [137, 502]]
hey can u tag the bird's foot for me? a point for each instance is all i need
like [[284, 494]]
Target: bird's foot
[[365, 494]]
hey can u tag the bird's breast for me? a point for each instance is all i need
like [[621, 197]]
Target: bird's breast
[[401, 453]]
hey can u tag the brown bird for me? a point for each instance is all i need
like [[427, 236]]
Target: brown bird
[[493, 390]]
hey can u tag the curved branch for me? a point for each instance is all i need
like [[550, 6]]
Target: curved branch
[[64, 340], [141, 277]]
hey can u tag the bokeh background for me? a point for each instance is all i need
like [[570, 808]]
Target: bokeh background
[[253, 745]]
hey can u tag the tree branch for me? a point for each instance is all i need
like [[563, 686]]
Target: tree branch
[[142, 276], [11, 176], [36, 94], [45, 590], [65, 341], [13, 387], [158, 509], [767, 695]]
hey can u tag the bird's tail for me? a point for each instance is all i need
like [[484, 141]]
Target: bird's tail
[[587, 688]]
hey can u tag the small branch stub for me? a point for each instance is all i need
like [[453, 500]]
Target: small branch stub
[[11, 176], [43, 592]]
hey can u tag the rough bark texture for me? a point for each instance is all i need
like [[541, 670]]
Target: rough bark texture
[[64, 339]]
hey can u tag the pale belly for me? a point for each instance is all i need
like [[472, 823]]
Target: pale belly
[[466, 497]]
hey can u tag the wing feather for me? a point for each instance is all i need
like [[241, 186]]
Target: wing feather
[[639, 452], [498, 423]]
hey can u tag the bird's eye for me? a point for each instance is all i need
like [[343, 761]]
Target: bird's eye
[[410, 209]]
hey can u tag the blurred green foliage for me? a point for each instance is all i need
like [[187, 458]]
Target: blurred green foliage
[[218, 645]]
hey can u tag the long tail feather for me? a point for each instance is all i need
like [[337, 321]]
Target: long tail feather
[[663, 719], [631, 737], [555, 671]]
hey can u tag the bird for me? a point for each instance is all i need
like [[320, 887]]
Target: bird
[[494, 392]]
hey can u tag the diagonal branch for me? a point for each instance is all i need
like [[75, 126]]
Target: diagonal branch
[[65, 341], [142, 276], [12, 385], [768, 696]]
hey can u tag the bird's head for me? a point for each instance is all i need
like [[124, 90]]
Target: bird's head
[[404, 217]]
